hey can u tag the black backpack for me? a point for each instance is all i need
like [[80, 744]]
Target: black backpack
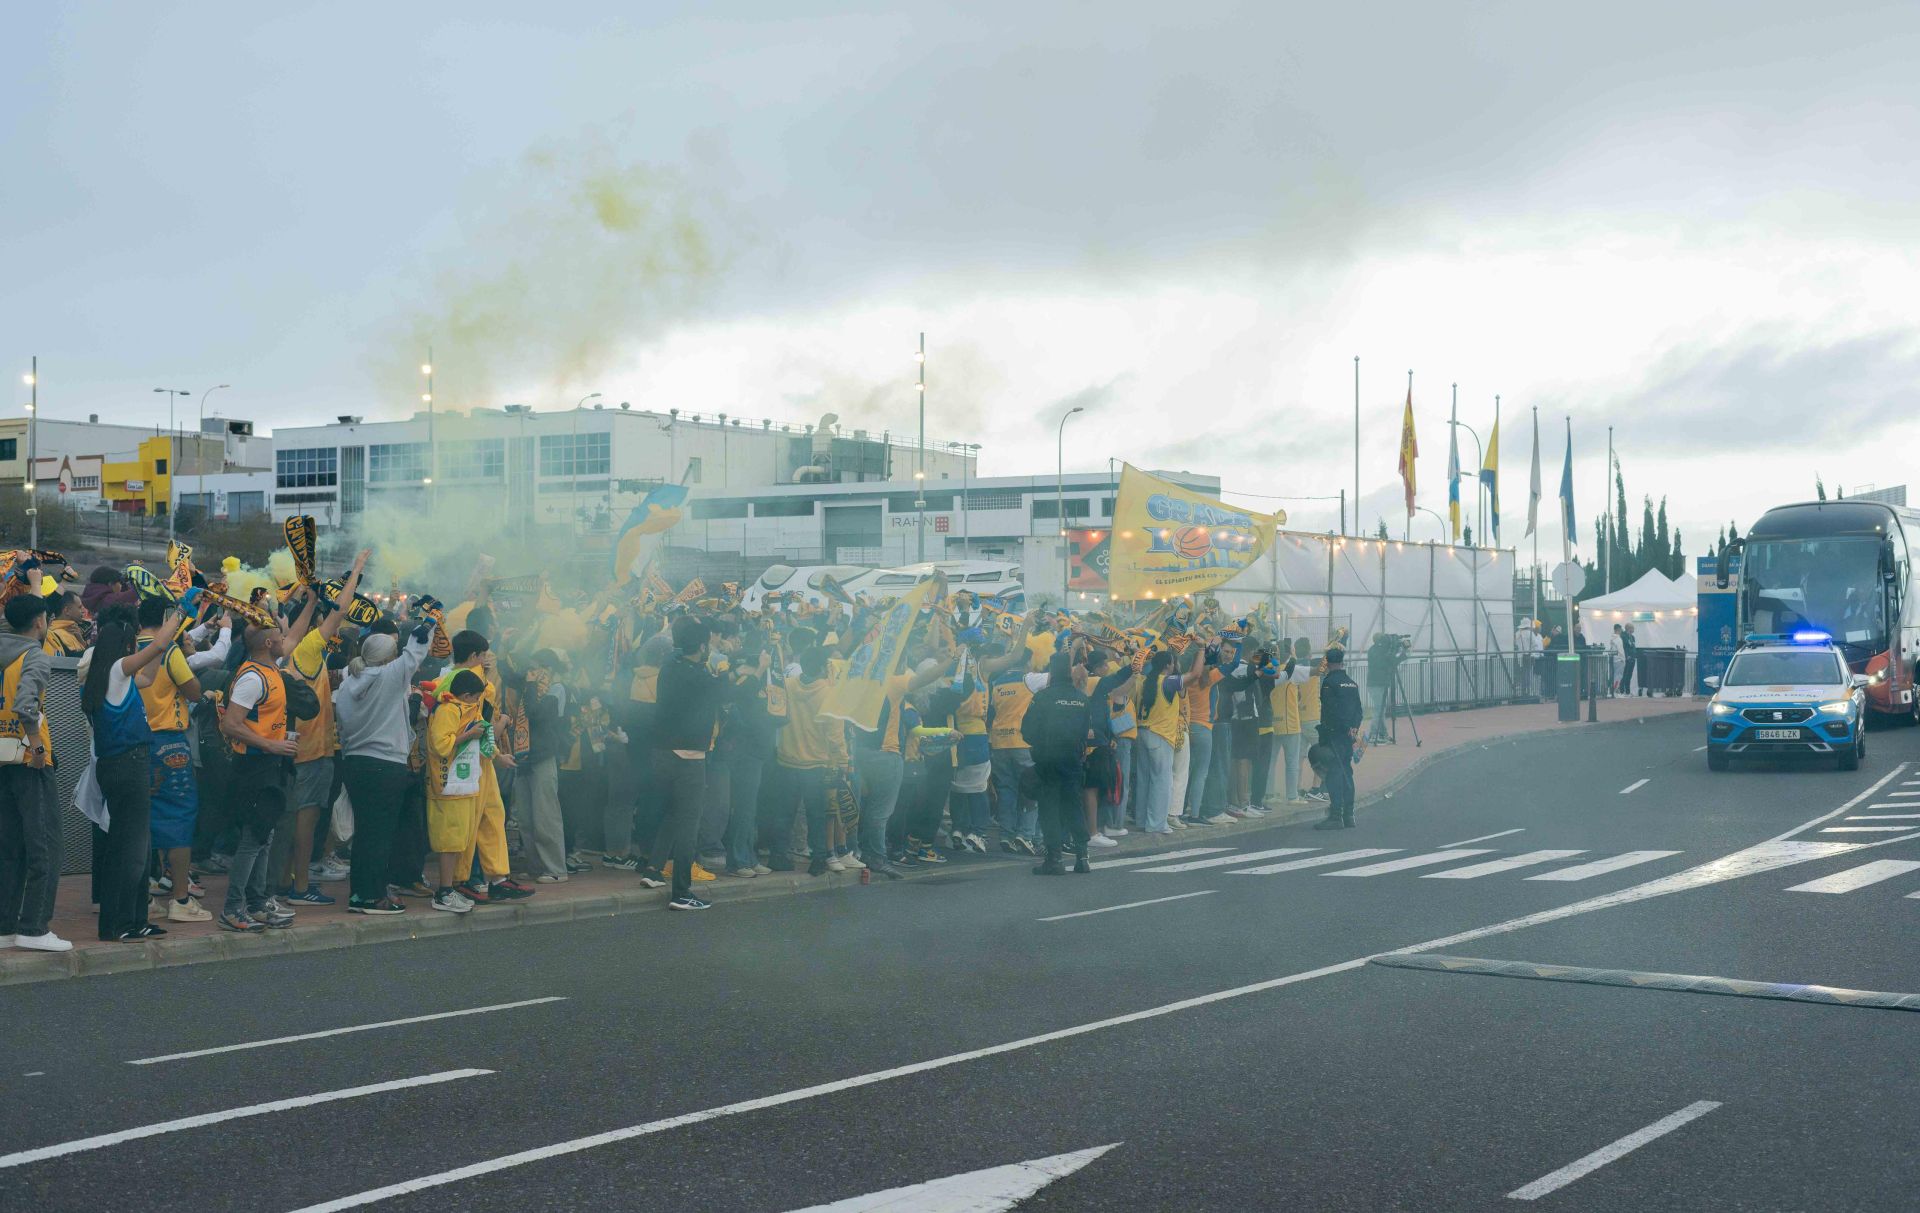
[[1055, 727]]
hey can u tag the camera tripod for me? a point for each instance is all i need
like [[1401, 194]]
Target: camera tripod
[[1397, 697]]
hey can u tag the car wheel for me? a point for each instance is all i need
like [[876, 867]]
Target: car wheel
[[1716, 761], [1850, 760]]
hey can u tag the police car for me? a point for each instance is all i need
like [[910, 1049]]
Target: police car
[[1787, 695]]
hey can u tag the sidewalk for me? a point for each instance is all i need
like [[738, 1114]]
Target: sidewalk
[[604, 892]]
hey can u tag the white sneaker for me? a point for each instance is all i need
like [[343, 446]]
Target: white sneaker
[[854, 862], [188, 911], [834, 865], [274, 907], [1220, 819], [42, 943], [1176, 824], [544, 879], [1101, 840], [1116, 832], [1254, 811]]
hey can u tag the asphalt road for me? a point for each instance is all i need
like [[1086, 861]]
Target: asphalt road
[[1228, 1040]]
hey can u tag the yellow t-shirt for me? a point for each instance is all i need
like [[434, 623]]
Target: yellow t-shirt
[[1199, 689], [1010, 698], [167, 709], [1163, 718], [810, 739], [319, 737]]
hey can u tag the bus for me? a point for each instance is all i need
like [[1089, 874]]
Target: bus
[[995, 580], [1845, 568]]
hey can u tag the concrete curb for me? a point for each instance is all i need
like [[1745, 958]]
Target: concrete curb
[[22, 968]]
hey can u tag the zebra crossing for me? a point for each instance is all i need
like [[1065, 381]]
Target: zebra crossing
[[1559, 865]]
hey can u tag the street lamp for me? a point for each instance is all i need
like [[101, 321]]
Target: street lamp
[[32, 480], [426, 397], [1060, 492], [920, 464], [1445, 532], [173, 454], [200, 452]]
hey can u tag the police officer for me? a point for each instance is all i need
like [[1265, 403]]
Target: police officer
[[1055, 729], [1341, 714]]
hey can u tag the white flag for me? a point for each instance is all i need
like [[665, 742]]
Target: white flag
[[1533, 486]]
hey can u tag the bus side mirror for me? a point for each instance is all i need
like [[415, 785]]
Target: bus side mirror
[[1722, 572]]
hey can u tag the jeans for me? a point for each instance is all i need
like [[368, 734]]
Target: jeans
[[1017, 817], [1219, 772], [29, 849], [1259, 769], [1340, 778], [880, 775], [1377, 712], [1200, 741], [744, 773], [1156, 782], [126, 784], [1114, 816], [259, 794], [1177, 787], [1062, 809], [1288, 745], [378, 790], [684, 780]]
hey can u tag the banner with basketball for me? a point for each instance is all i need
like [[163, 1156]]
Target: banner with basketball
[[1169, 541]]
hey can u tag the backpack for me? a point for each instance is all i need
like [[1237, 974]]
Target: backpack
[[302, 702], [1055, 727]]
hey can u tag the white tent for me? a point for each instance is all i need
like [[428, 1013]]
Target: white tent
[[1663, 613]]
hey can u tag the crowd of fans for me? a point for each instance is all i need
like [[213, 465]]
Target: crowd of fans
[[465, 757]]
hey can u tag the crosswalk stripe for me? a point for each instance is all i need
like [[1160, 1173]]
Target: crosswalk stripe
[[1162, 857], [1885, 817], [1897, 795], [1221, 861], [1317, 861], [1601, 867], [1891, 804], [1494, 866], [1865, 829], [1411, 861], [1857, 878]]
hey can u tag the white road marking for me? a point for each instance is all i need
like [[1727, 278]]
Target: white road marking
[[1848, 807], [1698, 748], [1635, 786], [362, 1027], [1502, 834], [103, 1140], [1857, 878], [993, 1190], [1494, 866], [1771, 854], [1130, 861], [1220, 861], [1899, 795], [1601, 867], [1410, 861], [1318, 861], [1885, 816], [1892, 804], [1864, 829], [1556, 1180], [1154, 901]]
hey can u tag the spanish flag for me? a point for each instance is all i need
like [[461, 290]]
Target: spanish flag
[[1409, 450]]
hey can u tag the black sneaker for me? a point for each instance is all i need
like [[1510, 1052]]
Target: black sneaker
[[818, 867], [626, 863], [1050, 868], [1328, 823], [652, 879], [887, 870], [1081, 867], [688, 903], [383, 906]]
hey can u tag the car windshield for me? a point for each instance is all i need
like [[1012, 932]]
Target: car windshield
[[1807, 667], [1832, 585]]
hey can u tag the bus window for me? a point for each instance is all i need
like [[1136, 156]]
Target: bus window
[[1831, 584]]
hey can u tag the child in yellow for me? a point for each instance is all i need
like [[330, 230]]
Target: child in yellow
[[453, 822]]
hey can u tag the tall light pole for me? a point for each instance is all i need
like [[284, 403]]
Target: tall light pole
[[200, 451], [573, 463], [1445, 533], [920, 464], [173, 450], [426, 398], [33, 453], [1060, 494], [1356, 445]]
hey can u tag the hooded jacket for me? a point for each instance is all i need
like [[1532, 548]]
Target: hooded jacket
[[33, 675]]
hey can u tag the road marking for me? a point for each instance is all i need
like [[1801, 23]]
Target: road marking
[[1636, 979], [1154, 901], [1318, 861], [1502, 834], [362, 1027], [1635, 786], [1220, 861], [1494, 866], [1884, 816], [993, 1190], [1556, 1180], [101, 1141], [1161, 857], [1864, 829], [1600, 867], [1771, 854], [1857, 878], [1899, 795], [1410, 861], [1698, 748]]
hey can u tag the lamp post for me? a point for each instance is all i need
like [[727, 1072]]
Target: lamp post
[[426, 398], [1060, 493], [200, 453], [33, 452], [173, 453], [1445, 533], [920, 464]]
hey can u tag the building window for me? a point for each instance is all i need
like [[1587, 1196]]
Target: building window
[[474, 459], [576, 454], [719, 509], [1047, 507], [1106, 507], [295, 498], [993, 499], [396, 462], [783, 507], [160, 467], [904, 503], [312, 467], [9, 449]]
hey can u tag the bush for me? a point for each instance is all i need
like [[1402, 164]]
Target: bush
[[252, 539]]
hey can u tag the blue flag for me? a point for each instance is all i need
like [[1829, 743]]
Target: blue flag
[[1566, 489]]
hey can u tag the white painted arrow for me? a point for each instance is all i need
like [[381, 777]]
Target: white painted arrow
[[990, 1191]]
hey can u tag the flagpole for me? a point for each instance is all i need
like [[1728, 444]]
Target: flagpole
[[1606, 572], [1566, 536], [1356, 444], [1533, 508]]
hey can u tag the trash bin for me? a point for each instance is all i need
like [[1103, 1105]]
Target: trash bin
[[1661, 671]]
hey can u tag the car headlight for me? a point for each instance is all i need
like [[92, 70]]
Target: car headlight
[[1723, 709], [1843, 708]]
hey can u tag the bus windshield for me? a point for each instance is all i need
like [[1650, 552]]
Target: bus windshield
[[1832, 585]]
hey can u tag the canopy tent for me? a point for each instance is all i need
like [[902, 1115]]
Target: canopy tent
[[1661, 610]]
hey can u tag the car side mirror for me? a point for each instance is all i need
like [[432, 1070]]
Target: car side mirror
[[1712, 681], [1860, 680]]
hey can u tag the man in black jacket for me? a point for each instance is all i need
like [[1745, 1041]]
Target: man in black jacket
[[1056, 728], [687, 704], [1340, 717]]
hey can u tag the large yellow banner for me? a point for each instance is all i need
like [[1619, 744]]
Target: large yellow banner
[[860, 694], [1169, 541]]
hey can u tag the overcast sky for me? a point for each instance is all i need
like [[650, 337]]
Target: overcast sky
[[1692, 222]]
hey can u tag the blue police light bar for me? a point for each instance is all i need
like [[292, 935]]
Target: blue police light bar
[[1811, 637]]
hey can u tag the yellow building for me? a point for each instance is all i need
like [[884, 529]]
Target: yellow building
[[143, 484]]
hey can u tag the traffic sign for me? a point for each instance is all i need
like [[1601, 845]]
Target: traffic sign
[[1568, 578]]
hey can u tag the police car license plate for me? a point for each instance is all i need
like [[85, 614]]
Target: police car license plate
[[1777, 734]]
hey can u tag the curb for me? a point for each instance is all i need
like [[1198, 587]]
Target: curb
[[26, 968]]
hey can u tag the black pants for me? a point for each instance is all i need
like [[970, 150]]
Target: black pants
[[784, 786], [29, 849], [1260, 754], [127, 785], [408, 853], [378, 790], [583, 798], [684, 782], [1063, 812], [936, 780], [1340, 776]]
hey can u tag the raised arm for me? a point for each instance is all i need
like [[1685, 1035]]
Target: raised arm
[[330, 626]]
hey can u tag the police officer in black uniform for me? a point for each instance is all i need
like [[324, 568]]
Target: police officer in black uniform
[[1341, 714]]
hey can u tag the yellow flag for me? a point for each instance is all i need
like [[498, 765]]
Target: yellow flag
[[859, 695], [1169, 541]]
